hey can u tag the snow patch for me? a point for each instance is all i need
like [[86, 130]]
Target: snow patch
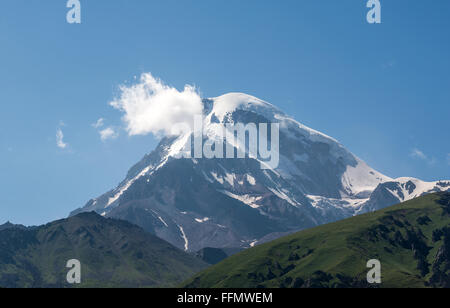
[[202, 220], [184, 237], [229, 177], [160, 218], [217, 178], [283, 196], [126, 186], [251, 180], [324, 202], [361, 178], [247, 199]]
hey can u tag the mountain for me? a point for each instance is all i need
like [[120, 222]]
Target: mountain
[[411, 240], [234, 203], [9, 225], [112, 253]]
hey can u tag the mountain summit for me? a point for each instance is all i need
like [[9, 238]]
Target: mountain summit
[[197, 203]]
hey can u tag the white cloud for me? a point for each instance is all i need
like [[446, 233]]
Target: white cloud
[[150, 106], [108, 133], [416, 153], [60, 139], [100, 122]]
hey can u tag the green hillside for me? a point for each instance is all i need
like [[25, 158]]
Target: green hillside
[[411, 240], [112, 253]]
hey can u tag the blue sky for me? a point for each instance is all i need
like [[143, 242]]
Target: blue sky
[[382, 90]]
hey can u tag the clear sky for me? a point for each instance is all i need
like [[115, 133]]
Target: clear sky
[[382, 90]]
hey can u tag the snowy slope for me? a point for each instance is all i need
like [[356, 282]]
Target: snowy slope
[[400, 190]]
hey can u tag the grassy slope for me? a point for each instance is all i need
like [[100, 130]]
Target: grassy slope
[[112, 253], [335, 255]]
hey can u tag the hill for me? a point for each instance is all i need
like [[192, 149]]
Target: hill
[[411, 240], [112, 253]]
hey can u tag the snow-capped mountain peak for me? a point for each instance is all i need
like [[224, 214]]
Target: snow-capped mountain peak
[[360, 179], [229, 103], [316, 181]]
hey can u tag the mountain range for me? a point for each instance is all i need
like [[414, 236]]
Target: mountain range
[[233, 203]]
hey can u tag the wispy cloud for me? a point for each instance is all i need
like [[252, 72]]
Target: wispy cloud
[[60, 139], [100, 122], [416, 153], [420, 155], [105, 133], [152, 107], [108, 133]]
